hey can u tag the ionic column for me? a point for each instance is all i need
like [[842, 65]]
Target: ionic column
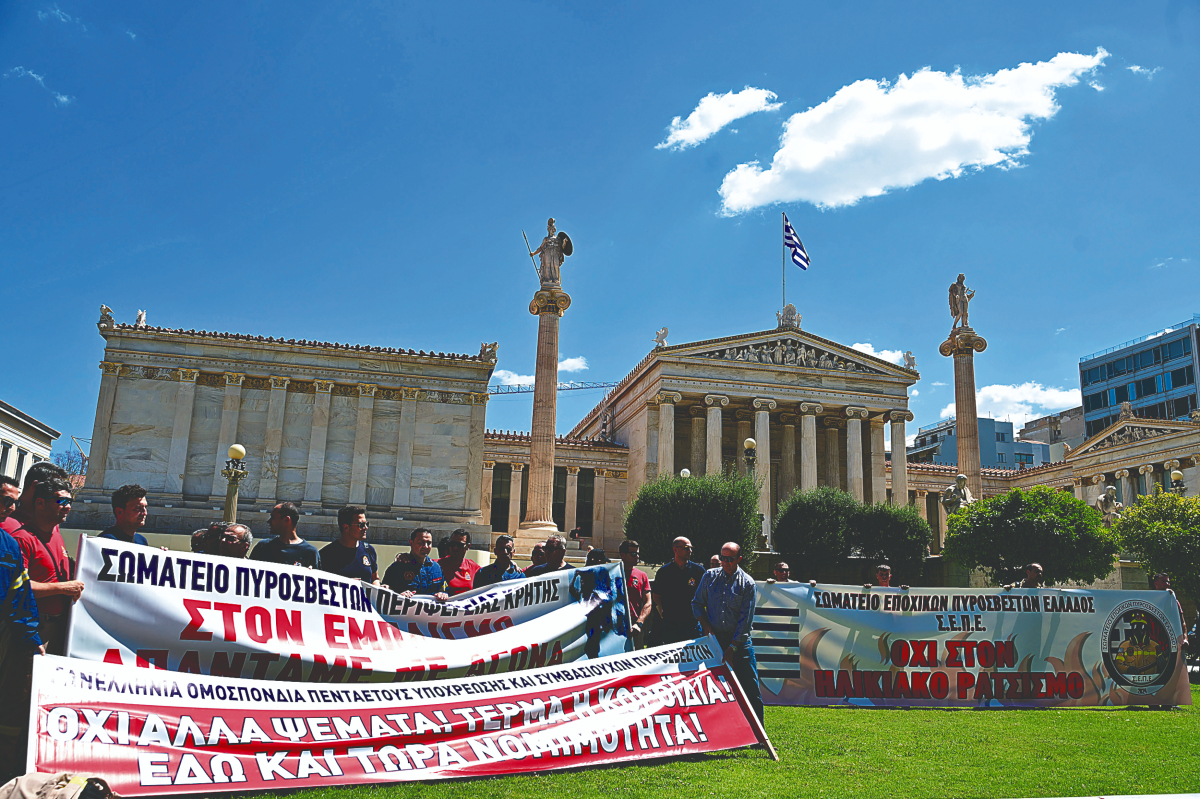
[[268, 480], [572, 509], [1191, 476], [314, 476], [939, 533], [878, 468], [787, 457], [110, 370], [762, 436], [833, 462], [598, 508], [712, 460], [921, 495], [698, 439], [745, 425], [963, 343], [485, 493], [1077, 488], [854, 455], [1095, 489], [1127, 497], [181, 430], [548, 305], [230, 412], [514, 497], [666, 435], [1147, 473], [362, 443], [405, 435], [899, 457], [808, 444]]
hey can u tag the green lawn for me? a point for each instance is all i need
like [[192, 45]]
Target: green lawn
[[892, 753]]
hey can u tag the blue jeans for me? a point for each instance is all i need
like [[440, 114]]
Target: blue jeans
[[744, 665]]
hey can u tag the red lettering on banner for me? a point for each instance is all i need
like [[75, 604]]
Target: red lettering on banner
[[192, 632], [293, 670], [190, 663], [223, 667], [333, 632], [112, 656], [258, 624], [289, 628], [156, 657], [227, 611], [361, 638], [322, 672]]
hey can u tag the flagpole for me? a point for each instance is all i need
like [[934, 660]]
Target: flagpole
[[783, 262]]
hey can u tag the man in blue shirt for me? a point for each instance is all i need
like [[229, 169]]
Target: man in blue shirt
[[674, 587], [287, 547], [350, 556], [130, 508], [415, 572], [19, 640], [724, 606], [503, 568]]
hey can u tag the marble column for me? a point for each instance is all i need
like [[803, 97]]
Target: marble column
[[1077, 488], [745, 428], [1146, 471], [666, 434], [230, 411], [939, 533], [485, 493], [854, 452], [514, 497], [181, 431], [1191, 476], [808, 444], [920, 502], [268, 481], [548, 305], [477, 428], [698, 440], [598, 508], [98, 458], [833, 463], [314, 476], [362, 443], [570, 514], [1095, 489], [878, 466], [787, 457], [712, 452], [405, 435], [1125, 484], [762, 437], [899, 457], [963, 344]]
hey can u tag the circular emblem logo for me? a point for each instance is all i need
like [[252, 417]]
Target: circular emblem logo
[[691, 581], [409, 575], [1138, 647], [366, 561]]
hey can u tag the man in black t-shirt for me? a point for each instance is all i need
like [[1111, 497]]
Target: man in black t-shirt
[[129, 507], [287, 547], [350, 556], [674, 587]]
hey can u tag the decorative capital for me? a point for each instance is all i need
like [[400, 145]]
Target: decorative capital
[[323, 387], [743, 414], [1146, 469], [367, 389], [1077, 482], [833, 423], [478, 398], [1097, 479], [549, 301], [962, 342], [409, 393], [1195, 459], [234, 378], [1172, 464], [854, 412], [110, 368], [763, 404], [810, 408], [517, 466], [1121, 473], [618, 474], [572, 470], [788, 419], [921, 493], [716, 400], [278, 382], [489, 465], [668, 397], [188, 375], [900, 416], [696, 411]]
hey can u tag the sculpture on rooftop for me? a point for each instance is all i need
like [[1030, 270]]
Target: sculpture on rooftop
[[487, 352], [960, 297], [552, 252], [660, 338], [1126, 411], [106, 318], [140, 322], [788, 318], [910, 361]]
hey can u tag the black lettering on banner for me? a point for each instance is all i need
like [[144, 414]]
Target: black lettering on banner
[[106, 573]]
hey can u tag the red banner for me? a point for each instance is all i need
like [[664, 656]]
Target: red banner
[[152, 732]]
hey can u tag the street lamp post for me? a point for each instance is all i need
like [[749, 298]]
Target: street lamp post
[[1177, 483], [234, 471], [685, 473], [750, 453]]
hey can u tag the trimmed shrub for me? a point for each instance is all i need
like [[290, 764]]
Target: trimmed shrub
[[895, 535], [1163, 532], [710, 511], [812, 531], [1000, 535]]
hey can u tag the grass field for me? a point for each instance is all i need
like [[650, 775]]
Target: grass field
[[892, 753]]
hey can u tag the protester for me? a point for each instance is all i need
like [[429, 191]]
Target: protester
[[537, 556], [45, 556], [883, 575], [503, 568], [781, 572], [130, 508], [714, 562], [458, 570], [1033, 576], [637, 584], [443, 547], [596, 556], [556, 554], [41, 471], [674, 587], [350, 556], [414, 573], [235, 541], [203, 541], [724, 605], [1162, 583], [286, 547], [576, 532], [19, 640]]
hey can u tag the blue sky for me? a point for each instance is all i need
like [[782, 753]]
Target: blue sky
[[362, 173]]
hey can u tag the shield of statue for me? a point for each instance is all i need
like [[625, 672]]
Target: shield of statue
[[564, 242]]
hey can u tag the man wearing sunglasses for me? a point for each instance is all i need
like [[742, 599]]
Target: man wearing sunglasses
[[724, 605], [674, 587], [459, 570], [350, 556]]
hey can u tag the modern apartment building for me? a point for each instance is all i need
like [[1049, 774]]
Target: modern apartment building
[[938, 444]]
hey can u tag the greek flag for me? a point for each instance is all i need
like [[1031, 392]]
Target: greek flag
[[792, 241]]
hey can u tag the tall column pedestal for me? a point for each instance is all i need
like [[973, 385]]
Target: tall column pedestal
[[548, 305], [963, 343]]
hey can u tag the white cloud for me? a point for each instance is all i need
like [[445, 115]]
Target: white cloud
[[938, 383], [61, 16], [506, 377], [894, 356], [131, 34], [573, 364], [873, 136], [21, 72], [1097, 86], [914, 392], [714, 112], [1149, 73], [1016, 403], [1057, 331]]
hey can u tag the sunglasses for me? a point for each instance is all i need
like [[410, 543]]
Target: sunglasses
[[232, 539], [6, 501], [729, 559], [460, 545], [63, 502], [683, 547]]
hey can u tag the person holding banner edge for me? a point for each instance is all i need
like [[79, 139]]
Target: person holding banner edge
[[724, 605], [415, 572], [503, 568]]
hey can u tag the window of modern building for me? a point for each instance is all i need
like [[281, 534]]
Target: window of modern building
[[1092, 402], [1181, 406], [1119, 394], [5, 448], [1147, 387], [1184, 376], [1001, 437], [19, 473], [1023, 459], [1000, 457]]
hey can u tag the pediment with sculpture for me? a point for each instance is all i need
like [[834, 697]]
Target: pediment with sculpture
[[786, 350], [1128, 432]]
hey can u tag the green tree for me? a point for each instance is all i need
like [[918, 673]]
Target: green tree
[[895, 535], [812, 530], [710, 511], [1163, 532], [1002, 534]]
